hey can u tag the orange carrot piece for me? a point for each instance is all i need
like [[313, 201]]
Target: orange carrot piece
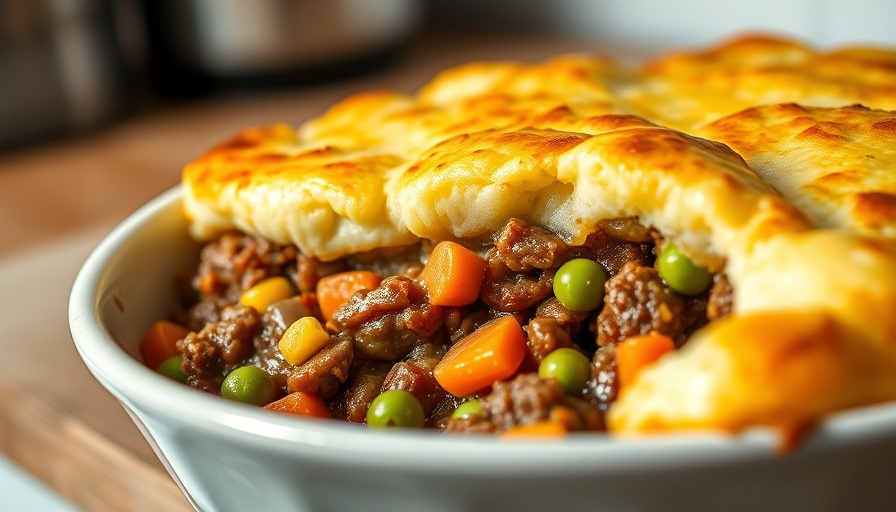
[[208, 283], [489, 354], [544, 429], [302, 404], [160, 342], [333, 291], [453, 275], [635, 353]]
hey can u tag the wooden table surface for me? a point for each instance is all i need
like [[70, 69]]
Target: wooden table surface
[[59, 198]]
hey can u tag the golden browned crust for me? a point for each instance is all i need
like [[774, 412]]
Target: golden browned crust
[[324, 199], [813, 332], [804, 232], [836, 164], [688, 89]]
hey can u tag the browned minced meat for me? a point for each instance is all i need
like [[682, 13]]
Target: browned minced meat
[[209, 354], [612, 253], [520, 267], [602, 388], [721, 298], [544, 335], [637, 302], [570, 320], [459, 322], [391, 337], [365, 382], [475, 424], [325, 372], [230, 265], [528, 399], [415, 376], [520, 270], [309, 271], [578, 414], [553, 326], [386, 323], [525, 399], [205, 312], [504, 290], [627, 229], [523, 248]]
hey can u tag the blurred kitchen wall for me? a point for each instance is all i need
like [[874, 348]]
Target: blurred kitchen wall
[[646, 27]]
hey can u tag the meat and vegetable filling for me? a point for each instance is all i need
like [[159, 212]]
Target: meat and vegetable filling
[[520, 334]]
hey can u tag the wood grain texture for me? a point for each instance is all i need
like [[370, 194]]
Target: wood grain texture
[[80, 463], [56, 421]]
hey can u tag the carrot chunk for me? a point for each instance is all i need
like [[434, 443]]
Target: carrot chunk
[[635, 353], [301, 404], [543, 429], [333, 291], [489, 354], [453, 275], [160, 342]]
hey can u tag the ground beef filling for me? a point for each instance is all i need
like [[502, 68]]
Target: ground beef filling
[[392, 337]]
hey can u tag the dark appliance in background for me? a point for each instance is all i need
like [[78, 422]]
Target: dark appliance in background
[[200, 46], [63, 67], [72, 65]]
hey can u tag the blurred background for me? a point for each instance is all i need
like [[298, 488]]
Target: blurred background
[[71, 65]]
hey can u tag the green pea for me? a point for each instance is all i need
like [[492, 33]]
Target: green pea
[[569, 366], [171, 368], [468, 409], [249, 384], [579, 284], [680, 273], [395, 408]]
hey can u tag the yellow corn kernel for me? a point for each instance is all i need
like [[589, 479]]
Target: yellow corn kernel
[[267, 292], [304, 338]]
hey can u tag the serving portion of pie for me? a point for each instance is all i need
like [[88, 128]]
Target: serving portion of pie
[[762, 164]]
